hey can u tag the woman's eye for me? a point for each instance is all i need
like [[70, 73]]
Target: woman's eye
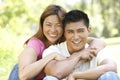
[[48, 25], [58, 25]]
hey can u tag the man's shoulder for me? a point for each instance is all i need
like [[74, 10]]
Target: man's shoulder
[[58, 48]]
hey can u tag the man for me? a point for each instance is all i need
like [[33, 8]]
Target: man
[[79, 62]]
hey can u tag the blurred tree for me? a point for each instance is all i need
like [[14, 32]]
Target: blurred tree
[[116, 12], [104, 16], [83, 5], [104, 12], [110, 10]]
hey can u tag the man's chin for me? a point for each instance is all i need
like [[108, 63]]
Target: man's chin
[[79, 48]]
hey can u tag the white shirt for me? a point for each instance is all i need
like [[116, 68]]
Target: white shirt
[[62, 50]]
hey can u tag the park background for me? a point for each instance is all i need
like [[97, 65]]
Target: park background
[[19, 20]]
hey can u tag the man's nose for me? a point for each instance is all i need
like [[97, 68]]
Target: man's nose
[[76, 35]]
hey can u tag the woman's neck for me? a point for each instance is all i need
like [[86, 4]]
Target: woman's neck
[[47, 44]]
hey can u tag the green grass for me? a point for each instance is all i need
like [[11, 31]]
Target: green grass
[[113, 41], [9, 56]]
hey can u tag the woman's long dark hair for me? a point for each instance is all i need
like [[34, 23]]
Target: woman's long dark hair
[[50, 10]]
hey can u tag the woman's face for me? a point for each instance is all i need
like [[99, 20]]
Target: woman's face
[[52, 28]]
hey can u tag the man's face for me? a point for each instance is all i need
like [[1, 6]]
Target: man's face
[[76, 34]]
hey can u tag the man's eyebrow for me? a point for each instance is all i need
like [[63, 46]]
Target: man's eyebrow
[[81, 28], [69, 30]]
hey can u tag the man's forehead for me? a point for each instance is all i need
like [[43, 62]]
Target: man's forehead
[[81, 23], [76, 28]]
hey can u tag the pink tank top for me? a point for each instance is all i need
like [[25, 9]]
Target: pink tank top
[[39, 47]]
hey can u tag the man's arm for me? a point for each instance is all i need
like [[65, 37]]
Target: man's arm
[[105, 66]]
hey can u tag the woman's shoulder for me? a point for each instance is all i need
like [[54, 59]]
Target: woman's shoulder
[[34, 39], [37, 45], [36, 42]]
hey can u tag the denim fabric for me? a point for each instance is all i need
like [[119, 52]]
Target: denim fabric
[[109, 76], [14, 73], [50, 78], [105, 76]]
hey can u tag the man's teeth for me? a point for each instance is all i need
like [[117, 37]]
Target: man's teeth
[[76, 42]]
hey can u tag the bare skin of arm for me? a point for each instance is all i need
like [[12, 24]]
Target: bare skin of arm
[[63, 68], [29, 67], [93, 74], [96, 43]]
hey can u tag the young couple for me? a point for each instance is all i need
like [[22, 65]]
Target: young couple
[[66, 58]]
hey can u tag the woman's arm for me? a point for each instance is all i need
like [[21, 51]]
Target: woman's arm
[[96, 43], [62, 68], [29, 67]]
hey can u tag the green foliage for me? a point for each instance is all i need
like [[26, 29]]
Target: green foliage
[[103, 16]]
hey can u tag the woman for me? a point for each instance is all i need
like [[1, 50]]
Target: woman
[[49, 33]]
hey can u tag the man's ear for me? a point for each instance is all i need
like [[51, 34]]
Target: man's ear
[[89, 29]]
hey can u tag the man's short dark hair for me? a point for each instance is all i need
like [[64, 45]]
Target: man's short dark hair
[[75, 16]]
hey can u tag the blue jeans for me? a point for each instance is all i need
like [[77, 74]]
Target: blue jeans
[[50, 78], [14, 73], [109, 76], [105, 76]]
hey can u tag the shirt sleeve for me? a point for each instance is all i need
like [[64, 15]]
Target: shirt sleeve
[[37, 45], [104, 54], [49, 50]]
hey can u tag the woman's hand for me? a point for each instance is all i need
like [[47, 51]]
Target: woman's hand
[[59, 57], [87, 54], [93, 50]]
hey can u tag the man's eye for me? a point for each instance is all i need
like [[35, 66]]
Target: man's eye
[[81, 30], [70, 31]]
